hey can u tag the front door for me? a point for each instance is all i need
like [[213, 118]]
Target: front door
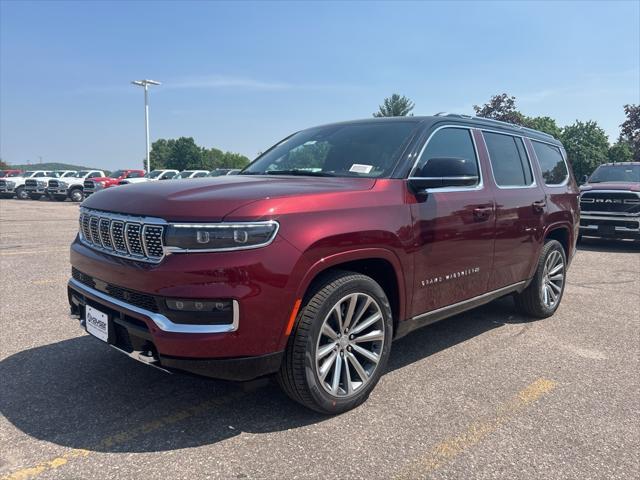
[[454, 227]]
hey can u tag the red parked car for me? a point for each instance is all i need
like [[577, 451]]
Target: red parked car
[[10, 173], [92, 185], [330, 245]]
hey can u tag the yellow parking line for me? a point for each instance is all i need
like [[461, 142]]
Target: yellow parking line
[[122, 437], [450, 448]]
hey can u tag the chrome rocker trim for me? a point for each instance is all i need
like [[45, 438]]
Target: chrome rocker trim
[[162, 322]]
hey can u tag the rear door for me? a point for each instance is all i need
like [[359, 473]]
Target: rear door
[[454, 228], [520, 209]]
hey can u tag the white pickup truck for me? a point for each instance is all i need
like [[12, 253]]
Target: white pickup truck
[[151, 177], [71, 186], [15, 186], [36, 186]]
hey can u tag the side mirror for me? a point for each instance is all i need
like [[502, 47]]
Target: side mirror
[[585, 178], [444, 172]]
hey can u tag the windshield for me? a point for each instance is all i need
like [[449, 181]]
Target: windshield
[[349, 150], [116, 174], [28, 174], [80, 174], [616, 173], [153, 174], [67, 174]]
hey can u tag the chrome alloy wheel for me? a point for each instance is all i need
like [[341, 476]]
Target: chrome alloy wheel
[[552, 279], [350, 345]]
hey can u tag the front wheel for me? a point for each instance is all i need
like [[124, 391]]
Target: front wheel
[[76, 195], [21, 193], [340, 345], [543, 295]]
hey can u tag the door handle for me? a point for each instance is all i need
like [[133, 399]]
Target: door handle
[[539, 206], [482, 213]]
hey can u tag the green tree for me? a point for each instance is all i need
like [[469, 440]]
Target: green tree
[[185, 154], [544, 124], [587, 146], [501, 107], [160, 153], [620, 152], [395, 106], [631, 130], [212, 158], [234, 160]]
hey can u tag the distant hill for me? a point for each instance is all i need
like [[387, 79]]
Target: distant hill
[[52, 166]]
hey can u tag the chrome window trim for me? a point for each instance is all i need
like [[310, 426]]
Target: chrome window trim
[[162, 322], [173, 249], [534, 184], [477, 187]]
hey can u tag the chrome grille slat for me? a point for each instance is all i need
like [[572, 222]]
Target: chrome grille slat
[[136, 238], [105, 232]]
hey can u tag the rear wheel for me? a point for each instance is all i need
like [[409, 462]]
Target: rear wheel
[[340, 345], [543, 295]]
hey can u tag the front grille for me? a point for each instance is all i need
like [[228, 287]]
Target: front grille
[[585, 222], [616, 202], [124, 236], [31, 183], [89, 185], [3, 184], [53, 184], [138, 299]]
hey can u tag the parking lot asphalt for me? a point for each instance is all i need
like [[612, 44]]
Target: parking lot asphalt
[[486, 394]]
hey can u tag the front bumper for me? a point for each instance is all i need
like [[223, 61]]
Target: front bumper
[[610, 226], [32, 189], [56, 191], [143, 335]]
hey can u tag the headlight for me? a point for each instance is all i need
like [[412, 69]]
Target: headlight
[[42, 183], [219, 236], [98, 185], [62, 184], [10, 184]]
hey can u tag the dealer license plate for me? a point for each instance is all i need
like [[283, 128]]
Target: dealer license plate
[[97, 323]]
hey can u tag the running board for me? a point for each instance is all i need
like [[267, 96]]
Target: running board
[[433, 316]]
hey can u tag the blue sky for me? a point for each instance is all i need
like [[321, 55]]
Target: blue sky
[[240, 76]]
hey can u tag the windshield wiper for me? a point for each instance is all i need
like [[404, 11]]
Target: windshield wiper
[[304, 173]]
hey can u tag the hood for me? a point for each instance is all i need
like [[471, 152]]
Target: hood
[[211, 199], [629, 186]]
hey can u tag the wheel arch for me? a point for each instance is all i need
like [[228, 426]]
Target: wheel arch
[[381, 265]]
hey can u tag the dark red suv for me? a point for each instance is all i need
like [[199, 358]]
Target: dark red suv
[[330, 245]]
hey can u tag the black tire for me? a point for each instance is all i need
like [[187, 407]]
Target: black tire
[[76, 195], [59, 198], [298, 376], [35, 196], [21, 193], [531, 300]]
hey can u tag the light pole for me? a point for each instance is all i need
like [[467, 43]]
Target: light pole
[[145, 84]]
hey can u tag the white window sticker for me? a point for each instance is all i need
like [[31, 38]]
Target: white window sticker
[[360, 168]]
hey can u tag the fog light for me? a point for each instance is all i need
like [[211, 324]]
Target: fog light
[[184, 305]]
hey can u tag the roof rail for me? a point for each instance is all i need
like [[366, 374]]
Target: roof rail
[[491, 120]]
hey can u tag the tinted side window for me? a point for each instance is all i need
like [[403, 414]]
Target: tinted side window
[[448, 143], [508, 160], [135, 175], [554, 170], [200, 174]]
